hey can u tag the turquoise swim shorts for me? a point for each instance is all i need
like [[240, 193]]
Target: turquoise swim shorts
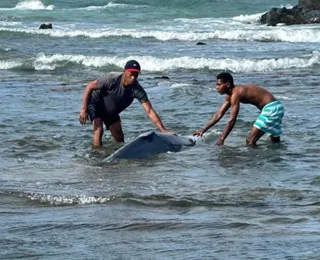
[[270, 119]]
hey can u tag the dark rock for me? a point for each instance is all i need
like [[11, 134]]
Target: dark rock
[[310, 4], [282, 15], [271, 18], [45, 26], [291, 19], [162, 77], [201, 43], [307, 11]]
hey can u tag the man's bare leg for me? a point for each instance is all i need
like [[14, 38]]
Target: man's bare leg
[[254, 136], [97, 132], [116, 131]]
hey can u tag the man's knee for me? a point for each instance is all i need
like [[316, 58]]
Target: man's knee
[[97, 132], [116, 131], [119, 138], [118, 135], [97, 125], [254, 136]]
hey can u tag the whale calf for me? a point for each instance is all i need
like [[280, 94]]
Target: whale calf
[[151, 143]]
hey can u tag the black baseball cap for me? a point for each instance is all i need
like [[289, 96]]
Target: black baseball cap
[[132, 66]]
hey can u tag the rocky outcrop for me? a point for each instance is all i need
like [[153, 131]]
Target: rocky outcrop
[[45, 26], [162, 77], [311, 4], [306, 11]]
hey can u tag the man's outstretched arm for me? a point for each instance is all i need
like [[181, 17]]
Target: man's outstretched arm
[[235, 106], [154, 117], [216, 118]]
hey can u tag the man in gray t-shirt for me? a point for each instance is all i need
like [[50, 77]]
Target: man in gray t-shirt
[[105, 98]]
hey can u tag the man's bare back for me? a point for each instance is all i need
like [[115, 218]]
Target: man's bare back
[[254, 95]]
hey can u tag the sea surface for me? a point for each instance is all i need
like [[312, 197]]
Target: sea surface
[[60, 199]]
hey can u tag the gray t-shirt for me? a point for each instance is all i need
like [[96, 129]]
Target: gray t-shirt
[[114, 96]]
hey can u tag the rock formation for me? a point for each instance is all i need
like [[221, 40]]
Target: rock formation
[[45, 26], [306, 11]]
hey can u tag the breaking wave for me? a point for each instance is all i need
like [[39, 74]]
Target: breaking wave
[[47, 62], [260, 34]]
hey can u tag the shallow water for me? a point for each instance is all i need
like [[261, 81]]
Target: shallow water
[[59, 198]]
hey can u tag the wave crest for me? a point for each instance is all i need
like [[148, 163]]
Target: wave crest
[[260, 34], [46, 62], [33, 5]]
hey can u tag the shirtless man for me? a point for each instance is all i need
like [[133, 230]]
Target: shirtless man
[[269, 121], [105, 98]]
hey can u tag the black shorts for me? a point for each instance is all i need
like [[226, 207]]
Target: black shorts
[[96, 110]]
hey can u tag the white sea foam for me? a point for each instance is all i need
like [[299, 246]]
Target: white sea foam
[[262, 33], [253, 18], [288, 6], [68, 200], [33, 5], [6, 65], [7, 23], [39, 66], [111, 5], [181, 85], [7, 49], [285, 98], [46, 62]]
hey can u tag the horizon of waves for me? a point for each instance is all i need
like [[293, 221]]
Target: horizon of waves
[[153, 64], [263, 34]]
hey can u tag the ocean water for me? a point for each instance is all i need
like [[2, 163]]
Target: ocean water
[[61, 199]]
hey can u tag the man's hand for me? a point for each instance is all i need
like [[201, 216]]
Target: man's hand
[[220, 142], [83, 116], [198, 133], [165, 131]]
